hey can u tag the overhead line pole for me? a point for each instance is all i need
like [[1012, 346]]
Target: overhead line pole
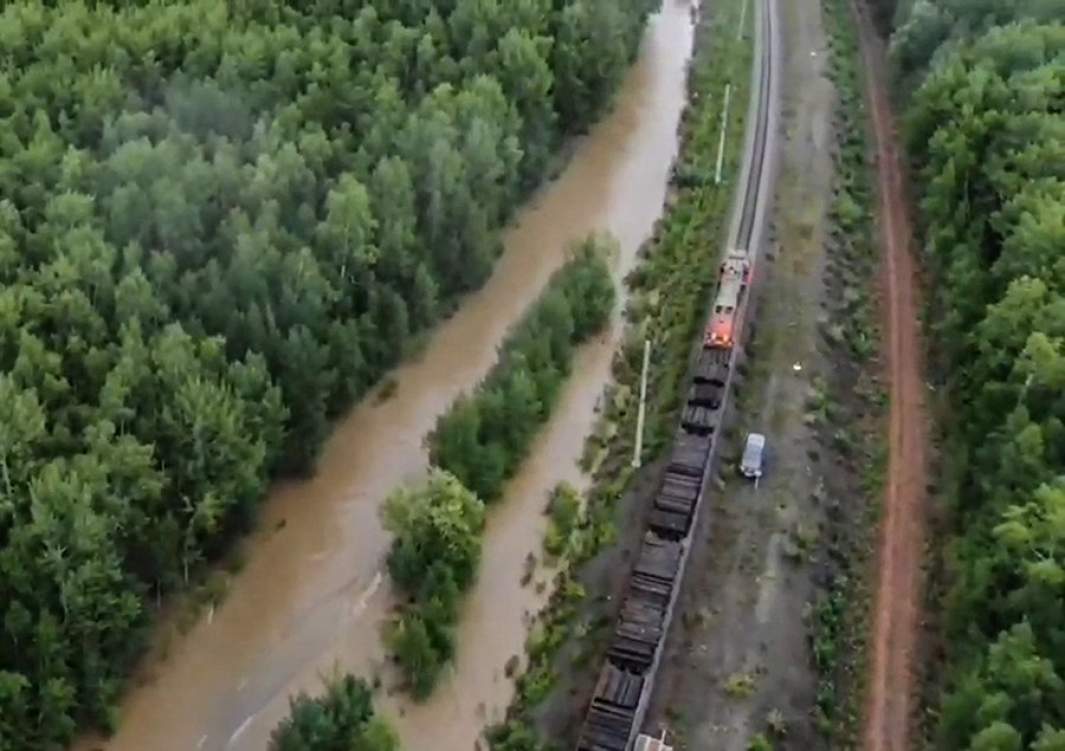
[[638, 449], [721, 139]]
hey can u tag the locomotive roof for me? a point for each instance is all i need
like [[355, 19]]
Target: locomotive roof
[[729, 291]]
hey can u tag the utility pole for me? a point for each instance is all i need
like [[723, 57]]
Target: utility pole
[[643, 399], [721, 140]]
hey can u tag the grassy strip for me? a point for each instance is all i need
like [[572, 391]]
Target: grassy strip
[[850, 405], [668, 307], [483, 437]]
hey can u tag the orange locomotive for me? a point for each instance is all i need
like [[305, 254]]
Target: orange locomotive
[[734, 277]]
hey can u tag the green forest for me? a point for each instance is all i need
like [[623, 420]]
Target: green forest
[[986, 133], [220, 223]]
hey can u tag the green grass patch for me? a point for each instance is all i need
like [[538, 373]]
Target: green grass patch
[[837, 619]]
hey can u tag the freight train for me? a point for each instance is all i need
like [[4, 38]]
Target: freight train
[[640, 629]]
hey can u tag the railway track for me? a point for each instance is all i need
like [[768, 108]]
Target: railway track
[[761, 100], [626, 681]]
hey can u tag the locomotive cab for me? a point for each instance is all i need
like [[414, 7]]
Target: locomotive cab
[[719, 333], [735, 275]]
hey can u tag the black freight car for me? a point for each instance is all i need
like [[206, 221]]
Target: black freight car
[[641, 624], [639, 627], [609, 722], [674, 503], [712, 367]]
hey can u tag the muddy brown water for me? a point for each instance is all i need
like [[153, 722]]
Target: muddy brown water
[[313, 594]]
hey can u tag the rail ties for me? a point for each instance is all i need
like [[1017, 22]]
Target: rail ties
[[626, 679]]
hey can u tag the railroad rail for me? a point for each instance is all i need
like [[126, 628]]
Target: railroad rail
[[623, 691], [761, 100]]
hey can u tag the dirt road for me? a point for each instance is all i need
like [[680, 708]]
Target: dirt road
[[891, 682]]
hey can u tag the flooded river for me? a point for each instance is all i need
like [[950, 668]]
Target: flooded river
[[313, 593]]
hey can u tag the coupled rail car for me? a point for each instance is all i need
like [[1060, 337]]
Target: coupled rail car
[[627, 676], [642, 621]]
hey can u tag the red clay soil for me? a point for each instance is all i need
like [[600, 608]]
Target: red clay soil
[[892, 680]]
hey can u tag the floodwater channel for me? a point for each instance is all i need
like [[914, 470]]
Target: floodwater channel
[[313, 593]]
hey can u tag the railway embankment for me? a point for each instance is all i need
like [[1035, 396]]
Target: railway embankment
[[667, 308]]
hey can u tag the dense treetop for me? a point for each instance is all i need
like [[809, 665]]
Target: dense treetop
[[987, 132], [483, 437], [933, 30], [436, 550], [341, 720], [220, 222]]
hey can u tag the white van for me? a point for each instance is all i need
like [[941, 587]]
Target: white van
[[753, 456]]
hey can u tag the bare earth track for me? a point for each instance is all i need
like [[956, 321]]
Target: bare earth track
[[739, 650], [892, 684]]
